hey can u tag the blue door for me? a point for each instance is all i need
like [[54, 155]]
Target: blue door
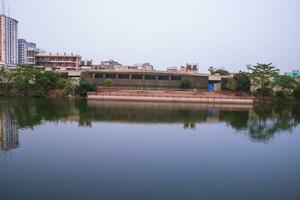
[[211, 87]]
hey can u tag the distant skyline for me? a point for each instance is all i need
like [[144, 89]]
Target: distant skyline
[[219, 33]]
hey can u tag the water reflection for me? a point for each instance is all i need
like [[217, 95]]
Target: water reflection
[[260, 123], [9, 135]]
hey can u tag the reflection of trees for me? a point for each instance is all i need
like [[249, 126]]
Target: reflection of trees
[[266, 121], [261, 123], [237, 119], [31, 112]]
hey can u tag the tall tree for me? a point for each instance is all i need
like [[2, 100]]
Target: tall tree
[[286, 83], [242, 81], [263, 77]]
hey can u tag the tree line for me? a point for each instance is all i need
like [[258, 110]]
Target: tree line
[[27, 80], [265, 80]]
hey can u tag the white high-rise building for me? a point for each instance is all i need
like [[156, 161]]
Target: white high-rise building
[[8, 41], [26, 52]]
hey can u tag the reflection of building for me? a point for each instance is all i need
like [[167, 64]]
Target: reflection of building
[[9, 137]]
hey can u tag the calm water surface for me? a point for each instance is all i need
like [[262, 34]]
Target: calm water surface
[[53, 149]]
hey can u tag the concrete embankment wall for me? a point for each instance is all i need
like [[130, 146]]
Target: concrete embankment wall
[[228, 100]]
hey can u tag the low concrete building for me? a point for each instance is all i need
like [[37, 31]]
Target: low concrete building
[[162, 79], [58, 61]]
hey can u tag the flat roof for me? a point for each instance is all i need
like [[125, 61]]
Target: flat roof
[[149, 72]]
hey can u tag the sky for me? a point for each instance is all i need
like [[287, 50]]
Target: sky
[[226, 34]]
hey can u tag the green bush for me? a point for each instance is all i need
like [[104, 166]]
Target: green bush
[[297, 91], [84, 87], [280, 94], [231, 84], [242, 81], [185, 83], [108, 83], [266, 92]]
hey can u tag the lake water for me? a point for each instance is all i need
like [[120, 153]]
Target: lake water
[[55, 149]]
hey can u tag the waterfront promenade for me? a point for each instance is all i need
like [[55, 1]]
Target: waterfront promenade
[[170, 96]]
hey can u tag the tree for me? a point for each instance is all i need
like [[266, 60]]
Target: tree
[[108, 83], [212, 70], [287, 84], [24, 78], [220, 71], [242, 81], [185, 83], [5, 80], [84, 87], [231, 84], [66, 86], [263, 77], [297, 91], [45, 81]]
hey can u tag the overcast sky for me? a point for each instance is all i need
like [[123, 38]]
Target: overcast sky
[[220, 33]]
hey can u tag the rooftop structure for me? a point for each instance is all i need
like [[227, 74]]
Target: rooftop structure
[[142, 67], [58, 61]]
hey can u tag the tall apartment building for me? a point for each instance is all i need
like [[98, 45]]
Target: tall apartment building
[[26, 52], [8, 41]]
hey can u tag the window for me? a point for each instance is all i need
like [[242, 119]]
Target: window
[[150, 77], [123, 76], [98, 75], [163, 78], [176, 78], [111, 76], [137, 76]]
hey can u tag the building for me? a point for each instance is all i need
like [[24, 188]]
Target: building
[[142, 67], [108, 65], [8, 41], [26, 52], [172, 69], [160, 79], [58, 61], [190, 67]]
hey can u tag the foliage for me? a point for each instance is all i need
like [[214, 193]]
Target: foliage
[[185, 83], [84, 87], [24, 78], [280, 94], [45, 81], [231, 84], [220, 71], [242, 81], [297, 91], [30, 81], [263, 76], [66, 86], [5, 81], [287, 84], [108, 83]]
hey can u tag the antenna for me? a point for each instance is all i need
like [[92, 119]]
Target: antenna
[[8, 11], [3, 7]]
